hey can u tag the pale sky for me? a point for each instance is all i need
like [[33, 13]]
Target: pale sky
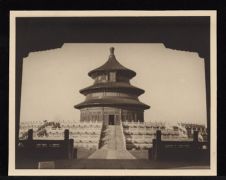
[[174, 81]]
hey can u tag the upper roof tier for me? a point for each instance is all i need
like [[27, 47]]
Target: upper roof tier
[[112, 65]]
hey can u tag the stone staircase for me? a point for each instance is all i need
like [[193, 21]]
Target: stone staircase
[[114, 146]]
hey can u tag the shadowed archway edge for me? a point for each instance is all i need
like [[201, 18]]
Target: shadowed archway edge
[[180, 33]]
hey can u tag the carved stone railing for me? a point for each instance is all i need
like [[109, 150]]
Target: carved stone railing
[[46, 149], [179, 150]]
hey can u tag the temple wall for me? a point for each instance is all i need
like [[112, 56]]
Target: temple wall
[[103, 114], [132, 115], [110, 77], [110, 94]]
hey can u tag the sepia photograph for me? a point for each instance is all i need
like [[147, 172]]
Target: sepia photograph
[[112, 93]]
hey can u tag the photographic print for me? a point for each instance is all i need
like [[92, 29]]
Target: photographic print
[[112, 93]]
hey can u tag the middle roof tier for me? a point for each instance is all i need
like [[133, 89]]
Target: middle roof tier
[[113, 86]]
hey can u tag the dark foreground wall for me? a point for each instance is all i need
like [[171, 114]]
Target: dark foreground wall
[[194, 151]]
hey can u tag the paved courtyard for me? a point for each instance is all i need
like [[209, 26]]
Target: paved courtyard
[[127, 164]]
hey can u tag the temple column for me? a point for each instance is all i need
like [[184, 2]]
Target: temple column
[[135, 116], [103, 115]]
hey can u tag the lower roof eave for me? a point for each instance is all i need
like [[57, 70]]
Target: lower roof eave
[[142, 107]]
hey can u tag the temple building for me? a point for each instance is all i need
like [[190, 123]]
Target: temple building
[[112, 99]]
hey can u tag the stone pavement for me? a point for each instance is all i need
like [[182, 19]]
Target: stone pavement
[[117, 164], [111, 154], [126, 164]]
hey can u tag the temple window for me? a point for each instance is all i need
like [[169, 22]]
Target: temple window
[[101, 78], [112, 76]]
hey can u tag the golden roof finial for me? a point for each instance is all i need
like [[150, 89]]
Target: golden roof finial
[[112, 50]]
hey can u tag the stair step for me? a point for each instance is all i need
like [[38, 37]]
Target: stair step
[[114, 148]]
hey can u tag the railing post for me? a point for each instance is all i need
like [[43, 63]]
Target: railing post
[[69, 145], [66, 134], [30, 135], [66, 150], [195, 136], [71, 149], [158, 144], [29, 147], [195, 147], [158, 136]]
